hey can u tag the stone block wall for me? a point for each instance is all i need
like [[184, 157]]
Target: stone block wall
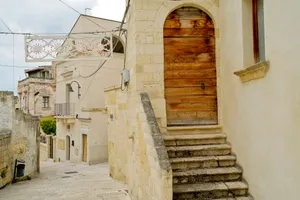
[[137, 154], [5, 157], [145, 49], [117, 134], [19, 138]]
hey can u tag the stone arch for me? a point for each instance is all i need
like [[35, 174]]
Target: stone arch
[[164, 11]]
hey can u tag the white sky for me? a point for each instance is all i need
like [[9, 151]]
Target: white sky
[[42, 16]]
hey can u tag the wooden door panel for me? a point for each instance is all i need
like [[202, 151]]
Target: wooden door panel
[[169, 49], [189, 23], [189, 41], [170, 83], [192, 106], [208, 91], [190, 69], [191, 74], [84, 148], [191, 99], [195, 58], [173, 32], [190, 66]]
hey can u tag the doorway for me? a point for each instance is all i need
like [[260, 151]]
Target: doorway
[[190, 68], [68, 147], [84, 148]]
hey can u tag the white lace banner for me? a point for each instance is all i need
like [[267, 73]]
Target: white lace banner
[[68, 48]]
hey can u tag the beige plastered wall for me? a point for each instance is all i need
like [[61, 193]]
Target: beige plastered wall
[[90, 108], [261, 117]]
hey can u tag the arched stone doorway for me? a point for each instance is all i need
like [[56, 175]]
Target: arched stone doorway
[[190, 68]]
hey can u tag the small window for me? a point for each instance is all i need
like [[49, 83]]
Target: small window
[[45, 102], [258, 30]]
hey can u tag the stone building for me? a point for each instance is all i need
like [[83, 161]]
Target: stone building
[[80, 112], [203, 72], [37, 91], [19, 139]]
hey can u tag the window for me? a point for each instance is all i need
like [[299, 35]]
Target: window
[[45, 102], [258, 30]]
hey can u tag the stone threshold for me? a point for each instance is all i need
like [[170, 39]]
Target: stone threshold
[[178, 128]]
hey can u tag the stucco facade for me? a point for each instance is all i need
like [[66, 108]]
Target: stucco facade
[[37, 92], [257, 111], [82, 131]]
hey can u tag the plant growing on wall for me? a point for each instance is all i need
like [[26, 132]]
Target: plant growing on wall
[[48, 125], [3, 173]]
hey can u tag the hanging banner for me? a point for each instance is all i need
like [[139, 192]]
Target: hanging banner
[[68, 48]]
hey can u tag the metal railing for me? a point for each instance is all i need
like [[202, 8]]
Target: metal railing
[[64, 109]]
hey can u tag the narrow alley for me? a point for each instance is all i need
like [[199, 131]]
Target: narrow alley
[[66, 181]]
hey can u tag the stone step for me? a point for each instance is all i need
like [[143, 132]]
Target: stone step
[[236, 198], [202, 162], [207, 175], [200, 139], [209, 190], [200, 150]]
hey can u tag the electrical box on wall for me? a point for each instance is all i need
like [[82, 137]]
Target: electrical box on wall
[[126, 76]]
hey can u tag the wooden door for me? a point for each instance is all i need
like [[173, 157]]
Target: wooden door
[[84, 148], [51, 148], [190, 68], [68, 147]]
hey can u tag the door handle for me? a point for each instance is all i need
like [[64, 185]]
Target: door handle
[[202, 86]]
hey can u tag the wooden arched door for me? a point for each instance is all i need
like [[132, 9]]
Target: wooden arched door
[[190, 68]]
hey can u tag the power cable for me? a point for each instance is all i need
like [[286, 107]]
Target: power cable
[[125, 48], [81, 13], [13, 52], [121, 27], [16, 66], [78, 33]]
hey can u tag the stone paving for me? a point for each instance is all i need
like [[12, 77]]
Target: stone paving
[[80, 182]]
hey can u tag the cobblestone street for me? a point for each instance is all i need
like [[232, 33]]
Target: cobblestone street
[[66, 181]]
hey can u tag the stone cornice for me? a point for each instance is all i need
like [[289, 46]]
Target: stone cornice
[[254, 72]]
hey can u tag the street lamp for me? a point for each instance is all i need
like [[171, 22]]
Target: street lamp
[[71, 89]]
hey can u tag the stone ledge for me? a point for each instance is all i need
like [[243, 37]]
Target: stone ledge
[[254, 72]]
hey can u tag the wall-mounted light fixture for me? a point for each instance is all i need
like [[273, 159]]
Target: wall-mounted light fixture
[[71, 89]]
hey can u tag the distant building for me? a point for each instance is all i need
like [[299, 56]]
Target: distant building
[[37, 91], [80, 103]]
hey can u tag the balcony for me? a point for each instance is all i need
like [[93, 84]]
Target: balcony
[[64, 110]]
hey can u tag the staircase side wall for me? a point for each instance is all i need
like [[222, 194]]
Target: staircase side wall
[[137, 153]]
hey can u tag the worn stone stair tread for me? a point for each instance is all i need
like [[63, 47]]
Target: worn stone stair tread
[[194, 137], [236, 198], [209, 171], [236, 185], [199, 147], [200, 187], [213, 186], [202, 158], [244, 198]]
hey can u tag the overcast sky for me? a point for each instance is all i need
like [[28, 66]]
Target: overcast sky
[[41, 16]]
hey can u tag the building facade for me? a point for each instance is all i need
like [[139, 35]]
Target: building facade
[[37, 92], [208, 67], [80, 109]]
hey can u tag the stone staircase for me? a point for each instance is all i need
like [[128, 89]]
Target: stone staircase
[[204, 168]]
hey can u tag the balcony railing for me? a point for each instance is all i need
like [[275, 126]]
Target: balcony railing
[[65, 109]]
